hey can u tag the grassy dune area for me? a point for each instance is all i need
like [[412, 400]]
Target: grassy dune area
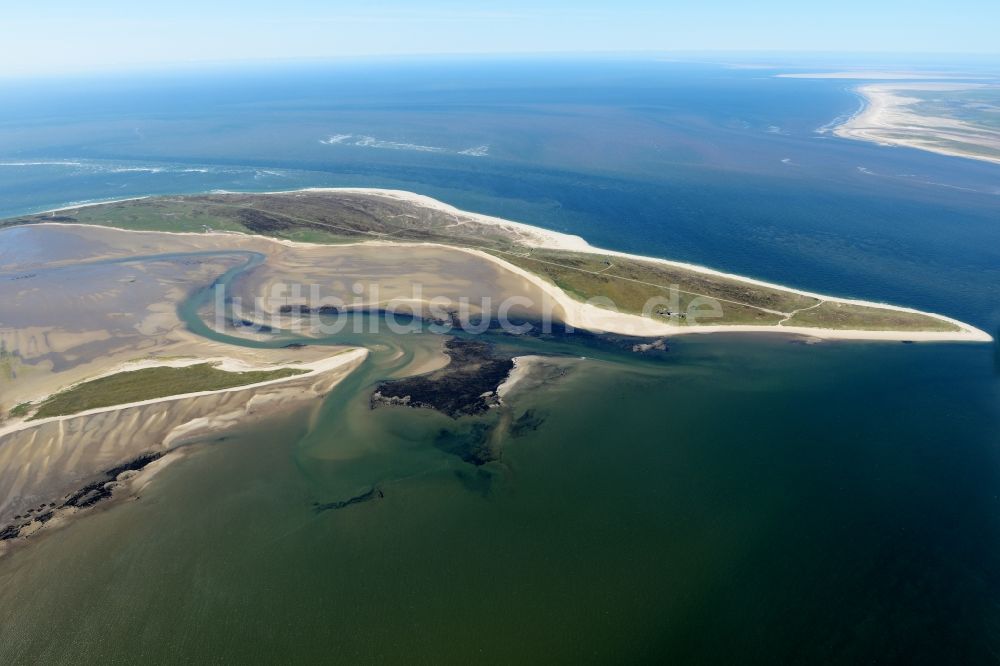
[[832, 314], [149, 384], [631, 283], [338, 217]]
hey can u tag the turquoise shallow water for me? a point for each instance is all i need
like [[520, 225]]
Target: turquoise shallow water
[[744, 500]]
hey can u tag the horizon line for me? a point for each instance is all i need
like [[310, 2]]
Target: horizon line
[[702, 56]]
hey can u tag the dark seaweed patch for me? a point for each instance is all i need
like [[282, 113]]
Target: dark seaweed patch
[[466, 386], [135, 464], [530, 421], [88, 495], [305, 309], [472, 443], [373, 494], [92, 493]]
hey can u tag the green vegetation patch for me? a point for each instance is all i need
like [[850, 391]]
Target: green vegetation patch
[[149, 384], [832, 314], [18, 411], [631, 284]]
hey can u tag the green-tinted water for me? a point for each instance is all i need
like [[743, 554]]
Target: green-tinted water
[[723, 506]]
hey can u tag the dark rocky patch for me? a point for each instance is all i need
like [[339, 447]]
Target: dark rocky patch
[[466, 386], [374, 494], [88, 495], [305, 309], [254, 326], [134, 465]]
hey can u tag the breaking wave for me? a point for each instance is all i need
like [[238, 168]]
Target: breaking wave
[[366, 141]]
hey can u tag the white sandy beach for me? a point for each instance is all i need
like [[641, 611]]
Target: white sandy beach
[[227, 364], [888, 118], [522, 366]]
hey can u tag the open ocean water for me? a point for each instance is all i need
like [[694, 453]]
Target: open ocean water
[[745, 500]]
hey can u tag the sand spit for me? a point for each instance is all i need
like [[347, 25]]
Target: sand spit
[[522, 367], [593, 318], [888, 119], [225, 364], [597, 319], [44, 460], [602, 320]]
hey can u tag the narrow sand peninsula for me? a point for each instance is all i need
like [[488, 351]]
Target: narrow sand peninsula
[[591, 317], [598, 319], [41, 461], [522, 366], [227, 364], [889, 118]]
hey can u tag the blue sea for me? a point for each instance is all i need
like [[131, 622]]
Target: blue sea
[[718, 166], [751, 501]]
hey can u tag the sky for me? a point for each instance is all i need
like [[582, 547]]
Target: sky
[[64, 36]]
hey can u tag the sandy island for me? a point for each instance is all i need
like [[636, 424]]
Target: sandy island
[[43, 460], [600, 319], [228, 364], [888, 118], [593, 318]]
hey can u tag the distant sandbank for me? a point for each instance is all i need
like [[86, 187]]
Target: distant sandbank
[[889, 117]]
